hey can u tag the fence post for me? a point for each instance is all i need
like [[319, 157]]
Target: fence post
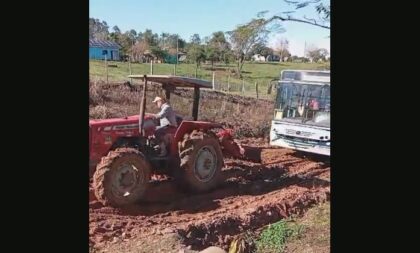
[[151, 67], [213, 80], [243, 86], [269, 88], [129, 69], [256, 88], [228, 88]]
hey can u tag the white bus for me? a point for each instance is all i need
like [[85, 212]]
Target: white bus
[[302, 111]]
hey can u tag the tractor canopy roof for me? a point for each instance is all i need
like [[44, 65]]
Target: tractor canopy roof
[[176, 81]]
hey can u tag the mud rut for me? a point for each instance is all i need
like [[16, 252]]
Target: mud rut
[[273, 183]]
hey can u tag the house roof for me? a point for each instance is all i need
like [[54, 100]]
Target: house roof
[[103, 43]]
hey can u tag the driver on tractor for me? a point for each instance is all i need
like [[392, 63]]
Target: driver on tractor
[[167, 121]]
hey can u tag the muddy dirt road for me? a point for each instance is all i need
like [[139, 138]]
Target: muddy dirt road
[[272, 184]]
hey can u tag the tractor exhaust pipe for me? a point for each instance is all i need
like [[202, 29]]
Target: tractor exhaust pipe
[[142, 107]]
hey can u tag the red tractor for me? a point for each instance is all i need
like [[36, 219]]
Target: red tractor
[[123, 155]]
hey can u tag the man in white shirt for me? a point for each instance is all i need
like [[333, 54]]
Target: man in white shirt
[[167, 118]]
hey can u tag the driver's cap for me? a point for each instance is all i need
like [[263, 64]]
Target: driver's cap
[[157, 99]]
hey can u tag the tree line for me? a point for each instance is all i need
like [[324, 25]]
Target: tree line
[[238, 45]]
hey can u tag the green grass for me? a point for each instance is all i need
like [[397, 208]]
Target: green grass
[[262, 73], [309, 233], [274, 237], [316, 235]]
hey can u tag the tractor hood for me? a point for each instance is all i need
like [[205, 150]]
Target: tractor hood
[[116, 121]]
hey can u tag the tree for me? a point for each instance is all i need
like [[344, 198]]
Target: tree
[[211, 54], [206, 40], [172, 41], [321, 7], [318, 54], [139, 49], [116, 30], [282, 48], [266, 51], [163, 40], [219, 45], [150, 38], [159, 53], [132, 33], [98, 29], [125, 40], [228, 57], [244, 37], [195, 39], [196, 54], [261, 49], [284, 54]]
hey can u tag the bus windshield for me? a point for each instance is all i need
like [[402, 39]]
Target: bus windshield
[[303, 102]]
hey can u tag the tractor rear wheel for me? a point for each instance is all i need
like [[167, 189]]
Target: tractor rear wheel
[[121, 178], [201, 161]]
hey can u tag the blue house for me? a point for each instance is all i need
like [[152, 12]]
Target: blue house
[[99, 48]]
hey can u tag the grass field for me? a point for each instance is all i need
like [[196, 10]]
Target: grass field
[[262, 73]]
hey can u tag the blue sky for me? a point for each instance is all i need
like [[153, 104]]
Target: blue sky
[[186, 17]]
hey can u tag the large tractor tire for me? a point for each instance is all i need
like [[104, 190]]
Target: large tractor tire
[[201, 161], [121, 178]]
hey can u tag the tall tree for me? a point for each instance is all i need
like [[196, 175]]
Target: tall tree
[[318, 54], [163, 40], [196, 54], [150, 38], [244, 37], [212, 54], [115, 35], [139, 49], [172, 41], [98, 29], [195, 39], [219, 45], [116, 29], [260, 48], [282, 48], [158, 52]]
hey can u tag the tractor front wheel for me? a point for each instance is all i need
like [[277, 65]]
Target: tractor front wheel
[[121, 178], [201, 161]]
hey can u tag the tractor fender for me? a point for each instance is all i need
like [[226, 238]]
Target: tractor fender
[[229, 145], [189, 126]]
